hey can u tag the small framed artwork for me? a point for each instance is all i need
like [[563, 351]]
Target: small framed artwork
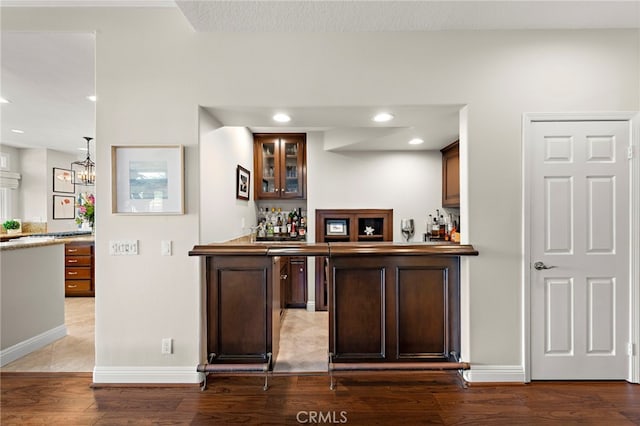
[[63, 181], [242, 183], [147, 179], [336, 227], [64, 207]]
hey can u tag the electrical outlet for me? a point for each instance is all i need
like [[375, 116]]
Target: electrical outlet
[[167, 345]]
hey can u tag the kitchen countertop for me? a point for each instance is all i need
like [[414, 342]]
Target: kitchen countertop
[[333, 249], [39, 241]]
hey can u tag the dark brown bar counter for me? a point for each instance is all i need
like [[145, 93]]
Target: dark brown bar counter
[[390, 304]]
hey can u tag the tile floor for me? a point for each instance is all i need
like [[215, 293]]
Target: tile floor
[[73, 353], [303, 343]]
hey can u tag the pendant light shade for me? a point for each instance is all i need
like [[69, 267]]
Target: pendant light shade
[[85, 170]]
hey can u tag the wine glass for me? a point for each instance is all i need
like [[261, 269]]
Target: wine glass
[[408, 228]]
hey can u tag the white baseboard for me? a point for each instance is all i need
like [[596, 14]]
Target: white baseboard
[[311, 306], [495, 373], [146, 375], [32, 344]]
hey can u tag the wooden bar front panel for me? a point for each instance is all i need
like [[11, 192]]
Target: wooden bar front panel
[[239, 308], [394, 308], [422, 312], [358, 307]]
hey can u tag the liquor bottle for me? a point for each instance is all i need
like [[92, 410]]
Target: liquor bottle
[[278, 227], [435, 229], [443, 228], [302, 230]]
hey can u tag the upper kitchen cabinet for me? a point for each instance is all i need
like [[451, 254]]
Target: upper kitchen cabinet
[[280, 166], [451, 175]]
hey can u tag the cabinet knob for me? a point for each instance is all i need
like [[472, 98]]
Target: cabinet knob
[[72, 261], [72, 250], [72, 286], [283, 277], [72, 273]]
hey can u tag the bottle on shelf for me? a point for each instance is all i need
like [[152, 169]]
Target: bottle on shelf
[[435, 229]]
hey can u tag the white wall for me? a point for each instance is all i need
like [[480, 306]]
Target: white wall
[[410, 183], [35, 195], [222, 215], [152, 72], [60, 160], [13, 165]]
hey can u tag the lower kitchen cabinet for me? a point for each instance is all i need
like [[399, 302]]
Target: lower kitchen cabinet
[[296, 290], [79, 276]]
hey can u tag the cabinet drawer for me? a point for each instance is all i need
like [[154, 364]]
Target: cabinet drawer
[[72, 286], [78, 250], [77, 261], [77, 273]]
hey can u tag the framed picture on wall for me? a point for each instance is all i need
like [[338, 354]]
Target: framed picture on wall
[[243, 182], [63, 181], [64, 207], [147, 179]]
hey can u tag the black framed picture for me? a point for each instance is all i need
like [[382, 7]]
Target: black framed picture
[[63, 181], [243, 182]]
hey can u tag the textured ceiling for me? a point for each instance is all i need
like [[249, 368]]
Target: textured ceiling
[[47, 76], [362, 15]]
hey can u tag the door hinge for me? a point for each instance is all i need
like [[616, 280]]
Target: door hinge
[[630, 152], [631, 349]]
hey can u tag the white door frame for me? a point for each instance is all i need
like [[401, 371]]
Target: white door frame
[[634, 230]]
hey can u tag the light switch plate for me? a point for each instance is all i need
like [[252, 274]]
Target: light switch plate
[[165, 247], [123, 247]]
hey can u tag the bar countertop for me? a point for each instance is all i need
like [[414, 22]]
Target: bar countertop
[[333, 249]]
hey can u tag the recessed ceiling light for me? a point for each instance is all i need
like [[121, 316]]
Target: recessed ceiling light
[[416, 141], [4, 101], [92, 98], [17, 131], [383, 117], [281, 118]]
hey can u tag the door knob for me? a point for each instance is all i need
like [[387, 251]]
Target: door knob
[[540, 266]]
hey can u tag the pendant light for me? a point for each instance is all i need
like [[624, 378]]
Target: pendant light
[[84, 171]]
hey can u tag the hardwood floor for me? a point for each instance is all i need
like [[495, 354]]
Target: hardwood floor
[[363, 399]]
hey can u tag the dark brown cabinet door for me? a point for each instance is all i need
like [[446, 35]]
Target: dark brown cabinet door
[[280, 166], [297, 290], [359, 225], [451, 175], [394, 309]]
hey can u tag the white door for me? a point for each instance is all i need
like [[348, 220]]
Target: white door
[[580, 219]]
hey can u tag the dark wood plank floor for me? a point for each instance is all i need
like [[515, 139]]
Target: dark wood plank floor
[[363, 399]]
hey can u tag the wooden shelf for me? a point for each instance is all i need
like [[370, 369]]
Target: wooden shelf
[[370, 238]]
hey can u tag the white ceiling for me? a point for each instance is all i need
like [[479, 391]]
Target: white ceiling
[[47, 76], [365, 15]]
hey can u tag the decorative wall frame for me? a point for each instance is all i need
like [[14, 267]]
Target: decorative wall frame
[[147, 179], [243, 183], [63, 181], [64, 207]]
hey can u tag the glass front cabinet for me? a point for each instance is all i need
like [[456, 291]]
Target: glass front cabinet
[[280, 165]]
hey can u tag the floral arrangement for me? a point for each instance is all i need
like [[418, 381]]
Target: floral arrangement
[[86, 206]]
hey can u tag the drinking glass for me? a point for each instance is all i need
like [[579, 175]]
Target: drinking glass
[[408, 228]]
